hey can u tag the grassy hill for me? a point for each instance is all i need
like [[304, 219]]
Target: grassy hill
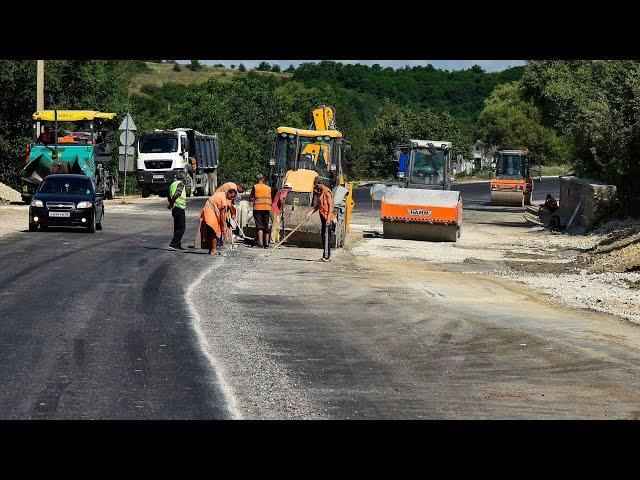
[[159, 74]]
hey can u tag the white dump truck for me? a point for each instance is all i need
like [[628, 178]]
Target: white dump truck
[[164, 153]]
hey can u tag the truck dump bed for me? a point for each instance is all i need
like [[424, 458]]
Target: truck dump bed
[[205, 148]]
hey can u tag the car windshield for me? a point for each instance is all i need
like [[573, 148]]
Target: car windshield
[[427, 166], [158, 143], [75, 186], [510, 164]]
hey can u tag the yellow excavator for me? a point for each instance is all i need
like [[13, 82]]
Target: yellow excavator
[[297, 157]]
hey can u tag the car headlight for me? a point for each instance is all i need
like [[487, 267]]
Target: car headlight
[[37, 203], [84, 205]]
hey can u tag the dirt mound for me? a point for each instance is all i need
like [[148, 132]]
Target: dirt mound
[[619, 250], [8, 194]]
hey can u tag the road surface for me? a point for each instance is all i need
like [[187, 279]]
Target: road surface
[[94, 326], [97, 327]]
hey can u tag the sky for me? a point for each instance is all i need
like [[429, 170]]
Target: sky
[[487, 65]]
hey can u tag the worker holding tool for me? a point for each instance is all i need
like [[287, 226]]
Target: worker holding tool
[[213, 225], [178, 203], [232, 219], [276, 211], [261, 199], [325, 207]]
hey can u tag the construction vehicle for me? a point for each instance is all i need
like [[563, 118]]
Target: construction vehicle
[[424, 207], [511, 185], [297, 157], [164, 153], [76, 152]]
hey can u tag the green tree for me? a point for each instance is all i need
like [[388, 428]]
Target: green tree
[[510, 122], [242, 68], [596, 104], [263, 67], [195, 65]]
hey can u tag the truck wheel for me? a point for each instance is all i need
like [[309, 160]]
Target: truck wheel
[[112, 192], [213, 178], [145, 192]]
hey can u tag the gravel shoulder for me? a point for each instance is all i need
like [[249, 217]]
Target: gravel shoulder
[[499, 242]]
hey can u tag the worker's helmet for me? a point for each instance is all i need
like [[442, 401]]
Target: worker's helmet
[[287, 185]]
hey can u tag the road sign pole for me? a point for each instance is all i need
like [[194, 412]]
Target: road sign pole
[[124, 200]]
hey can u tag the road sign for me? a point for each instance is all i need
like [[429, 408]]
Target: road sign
[[127, 138], [128, 166], [127, 124], [130, 150]]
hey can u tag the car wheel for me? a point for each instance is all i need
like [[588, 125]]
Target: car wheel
[[99, 224], [92, 227], [33, 227]]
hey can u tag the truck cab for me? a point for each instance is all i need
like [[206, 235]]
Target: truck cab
[[161, 154], [164, 153]]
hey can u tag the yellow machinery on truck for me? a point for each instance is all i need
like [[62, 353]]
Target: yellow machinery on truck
[[297, 157]]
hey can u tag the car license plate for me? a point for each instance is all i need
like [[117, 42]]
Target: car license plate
[[158, 177], [59, 214]]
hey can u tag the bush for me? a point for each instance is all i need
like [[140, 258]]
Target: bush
[[195, 65], [242, 68], [177, 68]]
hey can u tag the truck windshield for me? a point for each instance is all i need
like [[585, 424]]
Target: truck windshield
[[76, 186], [510, 164], [427, 167], [158, 143]]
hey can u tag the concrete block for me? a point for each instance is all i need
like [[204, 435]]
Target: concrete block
[[597, 200]]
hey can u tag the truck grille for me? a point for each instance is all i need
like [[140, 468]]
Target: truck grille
[[157, 164], [64, 206]]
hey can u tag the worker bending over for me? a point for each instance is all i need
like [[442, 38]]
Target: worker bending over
[[213, 220], [276, 211], [325, 207], [261, 199], [178, 203], [232, 218]]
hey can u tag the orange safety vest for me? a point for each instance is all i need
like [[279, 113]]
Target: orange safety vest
[[262, 197], [325, 204]]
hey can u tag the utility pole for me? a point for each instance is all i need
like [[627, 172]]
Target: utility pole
[[39, 91]]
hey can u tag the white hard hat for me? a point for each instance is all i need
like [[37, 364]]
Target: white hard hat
[[287, 185]]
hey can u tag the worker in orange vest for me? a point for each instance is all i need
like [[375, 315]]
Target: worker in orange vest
[[261, 199], [213, 224], [325, 207]]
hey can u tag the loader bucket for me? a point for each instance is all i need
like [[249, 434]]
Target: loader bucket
[[420, 214], [507, 198]]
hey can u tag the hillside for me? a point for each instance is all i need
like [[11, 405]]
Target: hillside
[[163, 73]]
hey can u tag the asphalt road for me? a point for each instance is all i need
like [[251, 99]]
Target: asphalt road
[[95, 326], [477, 193]]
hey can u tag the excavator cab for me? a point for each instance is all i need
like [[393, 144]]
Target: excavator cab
[[512, 184]]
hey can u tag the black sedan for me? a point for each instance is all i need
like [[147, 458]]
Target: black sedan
[[68, 201]]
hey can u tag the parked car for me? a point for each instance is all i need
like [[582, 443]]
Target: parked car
[[66, 200]]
